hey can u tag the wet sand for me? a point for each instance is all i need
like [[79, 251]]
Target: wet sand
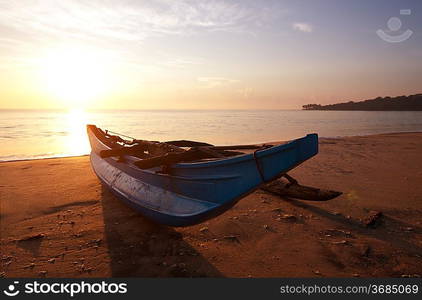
[[58, 221]]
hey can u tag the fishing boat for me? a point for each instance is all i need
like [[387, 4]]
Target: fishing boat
[[182, 183]]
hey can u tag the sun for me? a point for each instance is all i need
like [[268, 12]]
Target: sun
[[75, 76]]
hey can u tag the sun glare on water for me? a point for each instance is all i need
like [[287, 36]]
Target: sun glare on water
[[77, 141], [74, 76]]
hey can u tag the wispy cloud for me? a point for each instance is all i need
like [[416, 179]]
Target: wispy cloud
[[304, 27], [212, 82], [126, 20], [122, 26]]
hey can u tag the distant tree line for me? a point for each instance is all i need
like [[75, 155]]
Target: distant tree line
[[412, 102]]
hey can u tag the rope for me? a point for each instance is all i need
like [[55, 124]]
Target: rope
[[258, 166], [107, 131]]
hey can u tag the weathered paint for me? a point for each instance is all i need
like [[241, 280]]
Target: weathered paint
[[197, 191]]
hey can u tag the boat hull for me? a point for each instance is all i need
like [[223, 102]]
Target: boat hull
[[193, 192]]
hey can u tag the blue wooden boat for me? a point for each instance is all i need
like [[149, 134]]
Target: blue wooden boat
[[192, 192]]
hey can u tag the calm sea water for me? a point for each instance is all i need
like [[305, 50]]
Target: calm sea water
[[38, 134]]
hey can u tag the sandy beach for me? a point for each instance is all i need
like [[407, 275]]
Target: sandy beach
[[58, 221]]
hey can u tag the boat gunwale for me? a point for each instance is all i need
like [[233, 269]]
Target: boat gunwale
[[225, 161]]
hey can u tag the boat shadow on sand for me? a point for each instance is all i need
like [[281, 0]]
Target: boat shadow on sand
[[141, 248]]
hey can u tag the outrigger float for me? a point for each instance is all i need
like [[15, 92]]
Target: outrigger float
[[182, 183]]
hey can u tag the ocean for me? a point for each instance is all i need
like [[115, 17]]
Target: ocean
[[34, 134]]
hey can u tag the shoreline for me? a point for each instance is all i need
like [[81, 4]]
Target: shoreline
[[320, 138], [57, 220]]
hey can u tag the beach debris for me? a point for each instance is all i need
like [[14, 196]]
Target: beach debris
[[6, 258], [373, 220], [316, 272], [231, 238], [342, 242], [337, 233], [266, 227], [289, 218], [30, 266], [52, 260], [178, 270], [2, 274], [42, 273], [291, 189], [277, 210], [81, 268], [204, 229], [408, 229], [356, 275], [410, 276], [366, 251], [32, 237]]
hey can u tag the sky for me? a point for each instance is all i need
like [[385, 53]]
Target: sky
[[211, 54]]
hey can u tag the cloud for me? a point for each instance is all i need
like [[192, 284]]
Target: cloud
[[127, 20], [31, 26], [304, 27], [212, 82]]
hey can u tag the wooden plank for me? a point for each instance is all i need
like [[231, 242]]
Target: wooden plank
[[186, 143], [240, 147], [284, 188]]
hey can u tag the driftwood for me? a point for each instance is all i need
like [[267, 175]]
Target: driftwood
[[291, 189]]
